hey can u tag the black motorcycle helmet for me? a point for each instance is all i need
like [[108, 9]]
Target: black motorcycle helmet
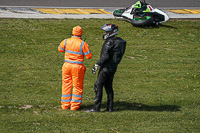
[[111, 30]]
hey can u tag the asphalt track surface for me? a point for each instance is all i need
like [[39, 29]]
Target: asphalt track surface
[[101, 3], [27, 8]]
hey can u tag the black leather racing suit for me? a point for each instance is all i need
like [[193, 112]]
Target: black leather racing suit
[[111, 54]]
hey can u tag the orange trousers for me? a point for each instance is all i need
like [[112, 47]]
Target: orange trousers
[[72, 75]]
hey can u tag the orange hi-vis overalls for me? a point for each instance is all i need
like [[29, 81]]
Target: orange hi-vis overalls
[[73, 71]]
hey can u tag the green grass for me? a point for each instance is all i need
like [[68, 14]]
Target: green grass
[[157, 84]]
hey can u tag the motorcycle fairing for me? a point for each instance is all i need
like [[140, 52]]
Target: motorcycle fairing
[[127, 13], [148, 9], [137, 5], [161, 14]]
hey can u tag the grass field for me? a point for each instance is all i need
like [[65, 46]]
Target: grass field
[[157, 85]]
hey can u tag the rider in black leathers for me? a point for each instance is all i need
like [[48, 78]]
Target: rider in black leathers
[[111, 54]]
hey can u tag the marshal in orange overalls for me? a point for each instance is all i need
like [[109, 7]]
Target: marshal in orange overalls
[[73, 70]]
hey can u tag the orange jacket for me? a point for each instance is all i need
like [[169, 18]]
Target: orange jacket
[[75, 49]]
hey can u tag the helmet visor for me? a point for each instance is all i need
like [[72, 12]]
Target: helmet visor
[[107, 27]]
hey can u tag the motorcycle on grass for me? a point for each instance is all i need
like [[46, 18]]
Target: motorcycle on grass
[[142, 14]]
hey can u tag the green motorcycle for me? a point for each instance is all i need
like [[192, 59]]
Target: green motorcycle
[[142, 14]]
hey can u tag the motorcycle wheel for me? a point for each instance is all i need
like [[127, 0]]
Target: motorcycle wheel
[[145, 21], [119, 12]]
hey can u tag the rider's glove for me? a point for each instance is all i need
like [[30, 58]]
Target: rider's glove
[[95, 68]]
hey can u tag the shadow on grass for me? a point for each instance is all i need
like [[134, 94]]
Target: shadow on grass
[[119, 106], [122, 106], [157, 26], [151, 26], [168, 26]]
